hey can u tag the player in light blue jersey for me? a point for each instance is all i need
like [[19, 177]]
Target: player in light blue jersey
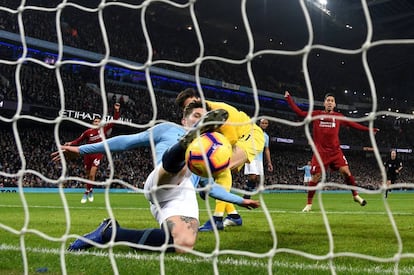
[[307, 173], [254, 170], [170, 188]]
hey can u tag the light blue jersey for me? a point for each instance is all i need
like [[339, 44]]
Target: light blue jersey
[[307, 169], [259, 156], [164, 136]]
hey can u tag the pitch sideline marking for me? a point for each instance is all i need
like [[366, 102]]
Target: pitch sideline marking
[[226, 261], [240, 210]]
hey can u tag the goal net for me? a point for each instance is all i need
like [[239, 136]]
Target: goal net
[[65, 63]]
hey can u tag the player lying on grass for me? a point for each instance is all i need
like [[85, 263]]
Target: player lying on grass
[[247, 140], [170, 185], [326, 138]]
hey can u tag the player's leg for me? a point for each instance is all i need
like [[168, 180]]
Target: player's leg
[[251, 185], [388, 186], [390, 181], [179, 210], [95, 236], [247, 147], [311, 193], [350, 180], [246, 150], [153, 237], [233, 217], [225, 180], [238, 158], [182, 232], [92, 176], [315, 178], [88, 165], [177, 206], [306, 180], [252, 172]]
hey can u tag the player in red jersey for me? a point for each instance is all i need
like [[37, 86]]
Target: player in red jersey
[[91, 162], [326, 139]]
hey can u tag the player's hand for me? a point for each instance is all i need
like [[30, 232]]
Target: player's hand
[[250, 204], [269, 167], [70, 152]]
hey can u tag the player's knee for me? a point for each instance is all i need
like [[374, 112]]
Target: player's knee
[[184, 243], [184, 233]]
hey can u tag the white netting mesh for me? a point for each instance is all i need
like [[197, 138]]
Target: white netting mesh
[[120, 49]]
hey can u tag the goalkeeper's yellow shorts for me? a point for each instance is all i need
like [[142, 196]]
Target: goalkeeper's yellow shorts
[[252, 143]]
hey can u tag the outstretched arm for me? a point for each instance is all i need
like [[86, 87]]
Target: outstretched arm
[[78, 140], [293, 105], [116, 116], [218, 192], [118, 143], [358, 126]]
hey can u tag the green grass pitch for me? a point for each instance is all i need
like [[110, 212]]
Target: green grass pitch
[[358, 240]]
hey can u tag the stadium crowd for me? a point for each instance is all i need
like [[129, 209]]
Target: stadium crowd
[[81, 29], [37, 142]]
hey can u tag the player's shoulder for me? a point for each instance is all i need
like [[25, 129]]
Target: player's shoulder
[[220, 105], [337, 114], [169, 127], [90, 130]]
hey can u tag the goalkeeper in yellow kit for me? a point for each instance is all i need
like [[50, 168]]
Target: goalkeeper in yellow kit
[[247, 140]]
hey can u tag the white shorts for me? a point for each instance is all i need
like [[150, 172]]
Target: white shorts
[[255, 167], [307, 179], [180, 200]]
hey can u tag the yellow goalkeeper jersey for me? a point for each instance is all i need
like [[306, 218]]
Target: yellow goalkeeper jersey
[[238, 124]]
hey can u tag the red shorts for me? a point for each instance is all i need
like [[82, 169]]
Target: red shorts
[[330, 160], [92, 160]]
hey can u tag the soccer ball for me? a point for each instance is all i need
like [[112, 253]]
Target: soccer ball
[[217, 151]]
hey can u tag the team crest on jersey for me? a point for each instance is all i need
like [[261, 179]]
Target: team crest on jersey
[[327, 124]]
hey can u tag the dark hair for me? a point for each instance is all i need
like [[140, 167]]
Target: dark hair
[[183, 95], [194, 105], [328, 95]]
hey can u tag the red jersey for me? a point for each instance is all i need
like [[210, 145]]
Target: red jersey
[[93, 135], [326, 129]]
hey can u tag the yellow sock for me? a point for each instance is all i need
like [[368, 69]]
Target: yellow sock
[[220, 208], [230, 208]]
